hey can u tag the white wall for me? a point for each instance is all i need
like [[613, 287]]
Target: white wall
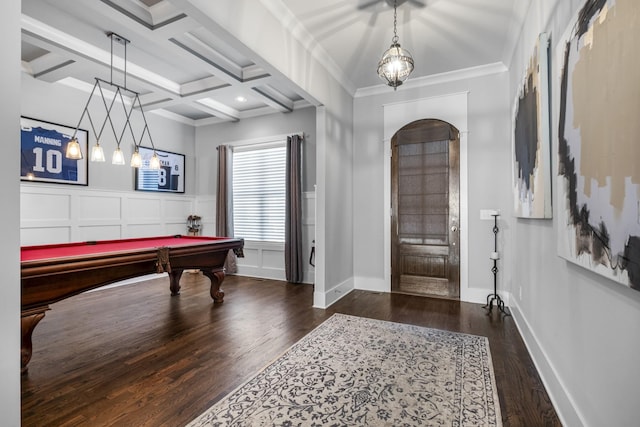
[[487, 176], [61, 214], [335, 201], [10, 215], [261, 259], [580, 327]]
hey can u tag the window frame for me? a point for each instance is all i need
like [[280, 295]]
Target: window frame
[[245, 148]]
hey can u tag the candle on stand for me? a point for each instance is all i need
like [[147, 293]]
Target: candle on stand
[[494, 255]]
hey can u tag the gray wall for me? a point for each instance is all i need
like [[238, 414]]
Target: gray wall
[[581, 328], [209, 137], [260, 30], [61, 104], [10, 216], [108, 208], [262, 259]]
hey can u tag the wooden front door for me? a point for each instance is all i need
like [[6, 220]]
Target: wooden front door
[[425, 238]]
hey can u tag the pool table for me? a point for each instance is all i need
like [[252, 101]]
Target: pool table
[[50, 273]]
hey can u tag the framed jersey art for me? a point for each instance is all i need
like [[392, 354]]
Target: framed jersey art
[[169, 178], [42, 153]]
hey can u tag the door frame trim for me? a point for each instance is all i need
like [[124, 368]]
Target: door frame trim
[[451, 108]]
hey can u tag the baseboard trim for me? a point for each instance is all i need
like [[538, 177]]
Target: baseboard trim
[[372, 284], [479, 295], [261, 272], [557, 391], [131, 281], [326, 299]]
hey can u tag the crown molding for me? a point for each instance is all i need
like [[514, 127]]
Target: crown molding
[[436, 79]]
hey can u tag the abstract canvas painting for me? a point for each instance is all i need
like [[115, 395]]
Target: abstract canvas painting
[[599, 140], [531, 149]]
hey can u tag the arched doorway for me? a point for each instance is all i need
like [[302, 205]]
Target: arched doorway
[[425, 203]]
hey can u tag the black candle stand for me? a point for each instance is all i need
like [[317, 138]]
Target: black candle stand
[[494, 297]]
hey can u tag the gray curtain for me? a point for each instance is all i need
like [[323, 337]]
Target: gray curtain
[[293, 257], [224, 204]]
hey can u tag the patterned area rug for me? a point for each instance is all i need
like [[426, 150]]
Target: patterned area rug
[[352, 371]]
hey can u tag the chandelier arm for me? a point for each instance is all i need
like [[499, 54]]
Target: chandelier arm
[[93, 128], [85, 111], [109, 106], [116, 85], [146, 125], [128, 121], [146, 129], [108, 109]]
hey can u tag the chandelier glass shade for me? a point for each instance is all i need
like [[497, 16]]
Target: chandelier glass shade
[[74, 151], [118, 157], [123, 121], [97, 153], [396, 63], [136, 159]]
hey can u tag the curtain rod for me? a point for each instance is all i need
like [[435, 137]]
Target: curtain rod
[[261, 141]]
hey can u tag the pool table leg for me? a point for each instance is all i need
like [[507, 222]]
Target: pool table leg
[[216, 278], [28, 322], [174, 281]]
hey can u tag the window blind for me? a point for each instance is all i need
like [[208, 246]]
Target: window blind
[[259, 193]]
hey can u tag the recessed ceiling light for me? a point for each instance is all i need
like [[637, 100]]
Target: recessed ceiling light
[[241, 99]]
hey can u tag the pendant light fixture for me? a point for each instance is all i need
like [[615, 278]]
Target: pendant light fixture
[[396, 63], [127, 112]]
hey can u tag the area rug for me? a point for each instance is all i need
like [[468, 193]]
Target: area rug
[[353, 371]]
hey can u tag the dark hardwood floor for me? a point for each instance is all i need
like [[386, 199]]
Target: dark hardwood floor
[[135, 356]]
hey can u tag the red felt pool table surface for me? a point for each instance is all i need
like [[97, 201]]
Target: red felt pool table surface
[[40, 252], [51, 273]]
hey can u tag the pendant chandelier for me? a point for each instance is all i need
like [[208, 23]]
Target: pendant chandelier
[[126, 114], [396, 63]]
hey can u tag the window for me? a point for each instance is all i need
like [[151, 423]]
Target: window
[[259, 192]]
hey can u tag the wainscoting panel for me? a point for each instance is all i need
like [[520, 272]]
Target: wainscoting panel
[[177, 210], [273, 259], [171, 229], [144, 230], [206, 209], [92, 208], [98, 232], [266, 260], [308, 234], [143, 209], [41, 206], [251, 257], [44, 235], [61, 214]]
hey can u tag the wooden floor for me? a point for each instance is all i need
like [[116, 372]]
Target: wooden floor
[[135, 356]]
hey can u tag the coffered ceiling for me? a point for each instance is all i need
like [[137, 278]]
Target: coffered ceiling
[[185, 71]]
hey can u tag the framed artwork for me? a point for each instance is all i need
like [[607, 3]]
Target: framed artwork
[[531, 138], [170, 176], [42, 153], [598, 133]]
